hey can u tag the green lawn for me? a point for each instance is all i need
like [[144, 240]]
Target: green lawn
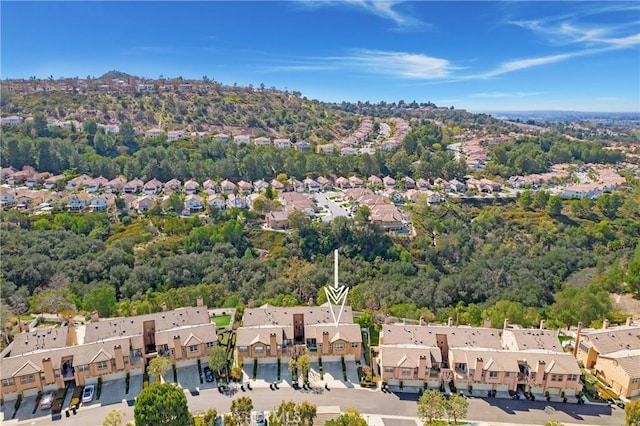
[[221, 320]]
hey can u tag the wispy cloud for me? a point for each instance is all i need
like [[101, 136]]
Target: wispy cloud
[[398, 65], [385, 9]]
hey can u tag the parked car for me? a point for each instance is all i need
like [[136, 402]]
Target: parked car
[[47, 400], [87, 393], [208, 374]]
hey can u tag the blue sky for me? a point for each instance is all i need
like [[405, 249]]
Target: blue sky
[[582, 56]]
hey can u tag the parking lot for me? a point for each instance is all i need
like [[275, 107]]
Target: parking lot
[[112, 393]]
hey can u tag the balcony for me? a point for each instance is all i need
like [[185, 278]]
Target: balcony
[[68, 372]]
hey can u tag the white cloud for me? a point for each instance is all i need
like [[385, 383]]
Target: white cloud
[[385, 9], [398, 64]]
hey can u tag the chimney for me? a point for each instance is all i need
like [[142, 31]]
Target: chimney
[[164, 306], [422, 321], [134, 311], [477, 374], [487, 323], [540, 372], [47, 367], [575, 346], [325, 342], [450, 322], [543, 325], [506, 323], [629, 322], [273, 343], [177, 346], [250, 303], [605, 323], [95, 316], [119, 357], [199, 301]]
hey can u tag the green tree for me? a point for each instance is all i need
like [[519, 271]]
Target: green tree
[[113, 418], [241, 409], [162, 404], [575, 305], [350, 417], [456, 406], [540, 199], [304, 363], [90, 126], [158, 367], [211, 417], [307, 413], [632, 276], [525, 199], [218, 359], [430, 406], [40, 124], [101, 299], [175, 202], [553, 423], [554, 206], [608, 204], [632, 413]]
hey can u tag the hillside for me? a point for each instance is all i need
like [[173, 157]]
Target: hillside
[[192, 106]]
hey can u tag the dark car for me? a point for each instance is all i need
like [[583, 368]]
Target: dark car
[[208, 374]]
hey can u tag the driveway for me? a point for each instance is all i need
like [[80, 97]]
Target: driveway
[[335, 209], [333, 375], [267, 374], [189, 378]]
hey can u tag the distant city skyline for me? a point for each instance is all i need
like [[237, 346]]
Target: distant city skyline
[[479, 56]]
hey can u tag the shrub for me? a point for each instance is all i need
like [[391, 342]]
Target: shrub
[[126, 383], [278, 368], [175, 374], [255, 368]]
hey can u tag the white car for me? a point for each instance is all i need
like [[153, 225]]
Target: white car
[[47, 400], [87, 393]]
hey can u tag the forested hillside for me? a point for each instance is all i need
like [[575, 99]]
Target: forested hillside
[[465, 257]]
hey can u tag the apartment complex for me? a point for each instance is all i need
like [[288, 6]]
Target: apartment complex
[[612, 353], [269, 333], [47, 358], [477, 358]]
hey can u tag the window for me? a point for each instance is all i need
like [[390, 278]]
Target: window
[[472, 373], [268, 348], [388, 369], [242, 348], [172, 351], [125, 359], [556, 377], [258, 349], [407, 371], [210, 345], [339, 346], [193, 348], [56, 373], [102, 365], [27, 379], [544, 377], [509, 374], [7, 382], [572, 378], [354, 344], [83, 367], [493, 374]]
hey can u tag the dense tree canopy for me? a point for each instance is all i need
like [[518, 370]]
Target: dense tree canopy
[[162, 404]]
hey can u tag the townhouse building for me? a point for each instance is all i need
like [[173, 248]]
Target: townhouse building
[[269, 333], [45, 359], [612, 353], [477, 359]]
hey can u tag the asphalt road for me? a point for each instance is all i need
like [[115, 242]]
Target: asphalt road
[[492, 410]]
